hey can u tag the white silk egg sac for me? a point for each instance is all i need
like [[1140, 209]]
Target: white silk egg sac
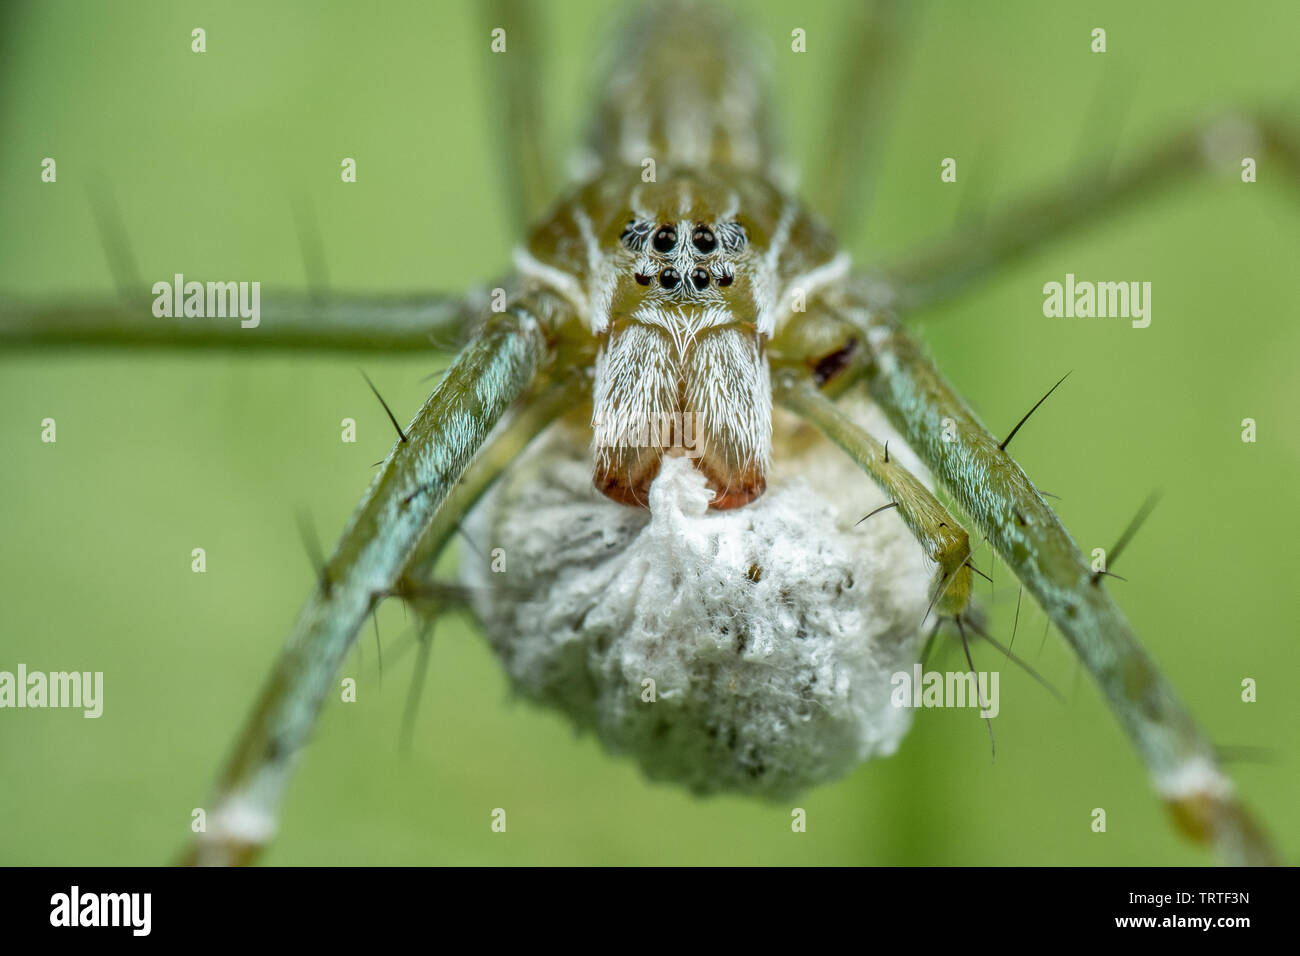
[[746, 650]]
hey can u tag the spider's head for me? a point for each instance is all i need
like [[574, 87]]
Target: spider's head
[[685, 262], [682, 282], [683, 371]]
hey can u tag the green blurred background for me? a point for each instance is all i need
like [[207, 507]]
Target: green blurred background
[[159, 453]]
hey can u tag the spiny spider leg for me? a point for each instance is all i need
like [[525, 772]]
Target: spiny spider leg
[[997, 496], [942, 538], [401, 503], [948, 267], [549, 400]]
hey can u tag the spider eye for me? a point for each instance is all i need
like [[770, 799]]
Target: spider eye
[[699, 278], [726, 279], [641, 278], [665, 239], [670, 278], [704, 240]]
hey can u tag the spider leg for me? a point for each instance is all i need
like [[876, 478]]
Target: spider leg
[[950, 265], [516, 83], [850, 145], [310, 322], [943, 539], [1002, 503], [433, 599], [549, 400], [398, 509], [319, 320]]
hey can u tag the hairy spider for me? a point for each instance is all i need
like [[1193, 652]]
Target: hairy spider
[[643, 421]]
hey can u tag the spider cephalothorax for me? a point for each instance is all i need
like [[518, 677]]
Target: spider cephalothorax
[[685, 280]]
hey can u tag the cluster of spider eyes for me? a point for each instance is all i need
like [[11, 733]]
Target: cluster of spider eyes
[[665, 241]]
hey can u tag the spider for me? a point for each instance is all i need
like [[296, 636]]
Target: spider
[[682, 279]]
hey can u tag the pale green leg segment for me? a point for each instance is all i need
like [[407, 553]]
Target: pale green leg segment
[[1004, 506], [951, 265], [373, 552], [335, 322]]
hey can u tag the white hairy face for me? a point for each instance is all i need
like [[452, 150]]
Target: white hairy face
[[681, 284], [709, 401], [769, 633], [682, 371]]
